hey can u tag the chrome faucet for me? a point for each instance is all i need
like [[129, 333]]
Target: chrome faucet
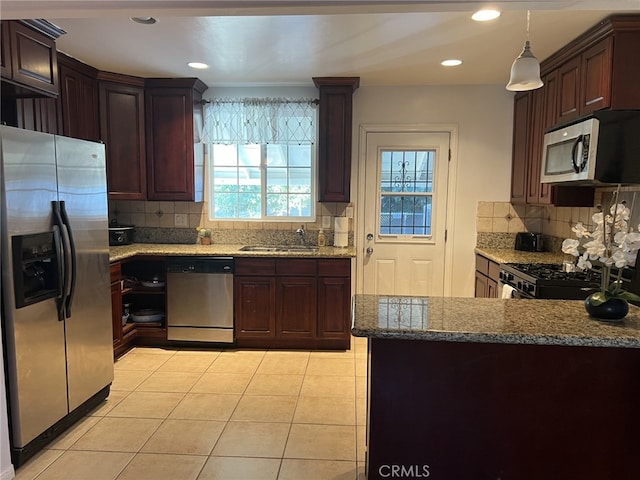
[[300, 232]]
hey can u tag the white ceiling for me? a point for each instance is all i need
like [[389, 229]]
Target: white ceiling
[[286, 42]]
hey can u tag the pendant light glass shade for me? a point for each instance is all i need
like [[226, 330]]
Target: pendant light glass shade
[[525, 71]]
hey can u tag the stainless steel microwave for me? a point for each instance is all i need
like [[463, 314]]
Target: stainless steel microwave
[[603, 148]]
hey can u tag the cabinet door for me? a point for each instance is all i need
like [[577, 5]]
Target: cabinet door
[[5, 50], [569, 90], [170, 144], [33, 59], [122, 131], [595, 92], [79, 104], [482, 288], [334, 137], [334, 299], [521, 113], [534, 151], [492, 289], [296, 307], [254, 306]]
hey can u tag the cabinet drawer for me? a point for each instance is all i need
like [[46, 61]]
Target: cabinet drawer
[[255, 266], [296, 266], [115, 269], [339, 267]]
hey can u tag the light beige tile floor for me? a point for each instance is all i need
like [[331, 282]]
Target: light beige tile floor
[[182, 414]]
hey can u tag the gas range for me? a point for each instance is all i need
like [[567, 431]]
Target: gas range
[[548, 281]]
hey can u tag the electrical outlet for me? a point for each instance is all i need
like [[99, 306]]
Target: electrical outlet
[[181, 220], [326, 221]]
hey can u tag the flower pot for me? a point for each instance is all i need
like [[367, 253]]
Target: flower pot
[[614, 309], [205, 240]]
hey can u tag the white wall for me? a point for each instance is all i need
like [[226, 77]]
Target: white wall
[[484, 116]]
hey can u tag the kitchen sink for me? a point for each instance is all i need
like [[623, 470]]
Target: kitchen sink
[[284, 248]]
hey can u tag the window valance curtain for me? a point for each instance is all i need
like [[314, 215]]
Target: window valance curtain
[[260, 120]]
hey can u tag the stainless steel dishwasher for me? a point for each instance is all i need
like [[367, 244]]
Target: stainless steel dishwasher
[[200, 299]]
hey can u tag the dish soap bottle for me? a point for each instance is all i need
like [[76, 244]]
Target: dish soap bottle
[[322, 241]]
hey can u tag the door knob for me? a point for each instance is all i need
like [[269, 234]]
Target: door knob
[[369, 251]]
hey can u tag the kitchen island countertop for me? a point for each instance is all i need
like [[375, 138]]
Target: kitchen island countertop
[[490, 320], [117, 253]]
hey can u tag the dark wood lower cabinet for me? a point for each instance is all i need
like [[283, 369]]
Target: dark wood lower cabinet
[[469, 411], [292, 303], [131, 334], [487, 278]]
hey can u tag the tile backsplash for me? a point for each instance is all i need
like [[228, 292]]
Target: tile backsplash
[[164, 221], [503, 217]]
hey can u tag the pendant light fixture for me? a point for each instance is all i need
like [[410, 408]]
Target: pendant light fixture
[[525, 71]]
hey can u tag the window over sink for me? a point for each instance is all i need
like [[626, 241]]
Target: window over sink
[[262, 162]]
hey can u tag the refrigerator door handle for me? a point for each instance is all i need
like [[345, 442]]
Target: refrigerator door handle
[[57, 242], [62, 259], [71, 257]]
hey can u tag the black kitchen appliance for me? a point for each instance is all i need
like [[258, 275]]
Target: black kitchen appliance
[[120, 234], [528, 242], [548, 281]]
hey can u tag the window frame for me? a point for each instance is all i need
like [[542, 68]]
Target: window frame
[[263, 192]]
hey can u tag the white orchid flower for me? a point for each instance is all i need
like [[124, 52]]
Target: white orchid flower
[[570, 246], [620, 210], [598, 218], [580, 230], [583, 262], [595, 248], [619, 259]]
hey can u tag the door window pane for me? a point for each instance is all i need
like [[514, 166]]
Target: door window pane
[[406, 189]]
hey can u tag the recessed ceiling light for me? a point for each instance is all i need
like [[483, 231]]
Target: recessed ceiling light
[[198, 65], [144, 20], [485, 15], [452, 62]]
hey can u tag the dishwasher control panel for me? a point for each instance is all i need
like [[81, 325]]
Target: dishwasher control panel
[[200, 265]]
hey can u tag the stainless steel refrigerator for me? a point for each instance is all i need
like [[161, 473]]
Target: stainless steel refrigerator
[[56, 327]]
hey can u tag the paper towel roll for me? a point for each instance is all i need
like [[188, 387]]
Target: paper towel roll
[[341, 232]]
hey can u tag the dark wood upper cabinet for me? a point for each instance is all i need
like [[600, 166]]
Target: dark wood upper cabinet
[[175, 156], [520, 145], [334, 137], [78, 99], [122, 129], [29, 59], [5, 50], [568, 90], [597, 70]]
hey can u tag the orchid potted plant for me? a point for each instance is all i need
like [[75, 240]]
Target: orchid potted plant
[[612, 243]]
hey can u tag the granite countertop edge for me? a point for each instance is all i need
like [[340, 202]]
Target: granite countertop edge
[[509, 255], [474, 337], [123, 252]]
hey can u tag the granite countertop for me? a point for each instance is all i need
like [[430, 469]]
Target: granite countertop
[[509, 255], [490, 320], [126, 251]]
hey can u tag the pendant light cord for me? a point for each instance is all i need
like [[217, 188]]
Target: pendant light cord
[[528, 19]]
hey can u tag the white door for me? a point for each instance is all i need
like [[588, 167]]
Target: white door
[[404, 213]]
